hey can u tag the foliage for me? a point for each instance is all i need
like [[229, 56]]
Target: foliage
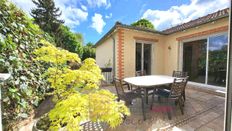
[[76, 91], [46, 15], [80, 38], [68, 40], [88, 51], [143, 23], [18, 39]]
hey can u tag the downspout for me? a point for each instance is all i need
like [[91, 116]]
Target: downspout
[[114, 70], [228, 101]]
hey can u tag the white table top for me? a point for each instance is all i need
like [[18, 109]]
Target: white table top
[[150, 80]]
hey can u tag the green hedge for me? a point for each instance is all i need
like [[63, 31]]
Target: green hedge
[[18, 39]]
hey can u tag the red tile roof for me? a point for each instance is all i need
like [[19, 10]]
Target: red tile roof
[[199, 21]]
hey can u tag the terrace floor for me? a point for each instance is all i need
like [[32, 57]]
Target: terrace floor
[[202, 112]]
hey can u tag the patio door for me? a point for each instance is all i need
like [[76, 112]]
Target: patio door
[[143, 57], [206, 60]]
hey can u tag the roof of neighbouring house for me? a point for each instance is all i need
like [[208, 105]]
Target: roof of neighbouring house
[[199, 21], [193, 23]]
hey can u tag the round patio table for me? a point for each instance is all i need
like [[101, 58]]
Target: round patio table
[[149, 82]]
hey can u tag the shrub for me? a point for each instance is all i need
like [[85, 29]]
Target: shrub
[[76, 91]]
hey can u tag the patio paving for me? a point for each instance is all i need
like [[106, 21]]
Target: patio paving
[[202, 112]]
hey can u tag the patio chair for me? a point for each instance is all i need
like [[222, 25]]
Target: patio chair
[[128, 96], [179, 74], [175, 94], [147, 90]]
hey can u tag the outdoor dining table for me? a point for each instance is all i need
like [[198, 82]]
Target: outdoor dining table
[[149, 81]]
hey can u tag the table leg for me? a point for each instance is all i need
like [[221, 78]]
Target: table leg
[[146, 95]]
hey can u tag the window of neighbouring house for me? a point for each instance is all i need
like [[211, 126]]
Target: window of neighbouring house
[[206, 60]]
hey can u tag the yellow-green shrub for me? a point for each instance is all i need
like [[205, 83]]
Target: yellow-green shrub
[[76, 91]]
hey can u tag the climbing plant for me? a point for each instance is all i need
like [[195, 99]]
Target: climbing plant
[[19, 37], [76, 91]]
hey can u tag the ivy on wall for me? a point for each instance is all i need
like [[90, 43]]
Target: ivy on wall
[[19, 37]]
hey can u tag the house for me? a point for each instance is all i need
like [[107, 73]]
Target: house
[[198, 47]]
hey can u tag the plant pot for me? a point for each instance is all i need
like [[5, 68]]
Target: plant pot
[[106, 69]]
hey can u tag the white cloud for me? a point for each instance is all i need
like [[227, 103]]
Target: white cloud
[[25, 5], [98, 23], [99, 3], [72, 16], [109, 16], [83, 7], [175, 15]]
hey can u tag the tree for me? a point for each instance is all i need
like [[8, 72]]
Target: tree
[[77, 95], [88, 51], [68, 40], [80, 38], [46, 15], [143, 23]]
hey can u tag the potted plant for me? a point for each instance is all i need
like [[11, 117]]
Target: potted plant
[[76, 91]]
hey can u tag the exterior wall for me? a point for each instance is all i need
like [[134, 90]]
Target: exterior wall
[[104, 53], [171, 56], [130, 46], [165, 50]]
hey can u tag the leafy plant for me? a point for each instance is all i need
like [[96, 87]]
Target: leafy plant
[[67, 40], [19, 37], [88, 51], [143, 23], [76, 91]]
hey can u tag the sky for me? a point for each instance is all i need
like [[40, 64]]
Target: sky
[[94, 18]]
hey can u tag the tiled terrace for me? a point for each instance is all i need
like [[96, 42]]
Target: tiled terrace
[[202, 112]]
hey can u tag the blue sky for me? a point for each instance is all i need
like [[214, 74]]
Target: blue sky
[[93, 18]]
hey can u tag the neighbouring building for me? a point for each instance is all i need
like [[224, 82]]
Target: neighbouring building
[[198, 47]]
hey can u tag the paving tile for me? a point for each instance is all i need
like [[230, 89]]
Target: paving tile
[[209, 116], [202, 112], [204, 128], [186, 128]]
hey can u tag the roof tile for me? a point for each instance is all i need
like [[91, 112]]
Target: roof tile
[[202, 20]]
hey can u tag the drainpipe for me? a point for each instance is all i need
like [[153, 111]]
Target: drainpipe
[[114, 70], [3, 77]]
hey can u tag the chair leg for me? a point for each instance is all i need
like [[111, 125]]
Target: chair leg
[[184, 95], [143, 110], [153, 97], [128, 86], [169, 111], [159, 99], [180, 101]]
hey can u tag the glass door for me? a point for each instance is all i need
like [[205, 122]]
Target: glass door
[[194, 60], [143, 57], [206, 60]]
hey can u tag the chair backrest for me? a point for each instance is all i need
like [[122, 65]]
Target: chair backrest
[[119, 87], [179, 74], [140, 73], [178, 87]]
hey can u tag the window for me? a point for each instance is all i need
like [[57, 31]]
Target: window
[[206, 60]]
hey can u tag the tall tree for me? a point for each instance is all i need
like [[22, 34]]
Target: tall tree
[[69, 40], [46, 15], [88, 51], [143, 23]]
